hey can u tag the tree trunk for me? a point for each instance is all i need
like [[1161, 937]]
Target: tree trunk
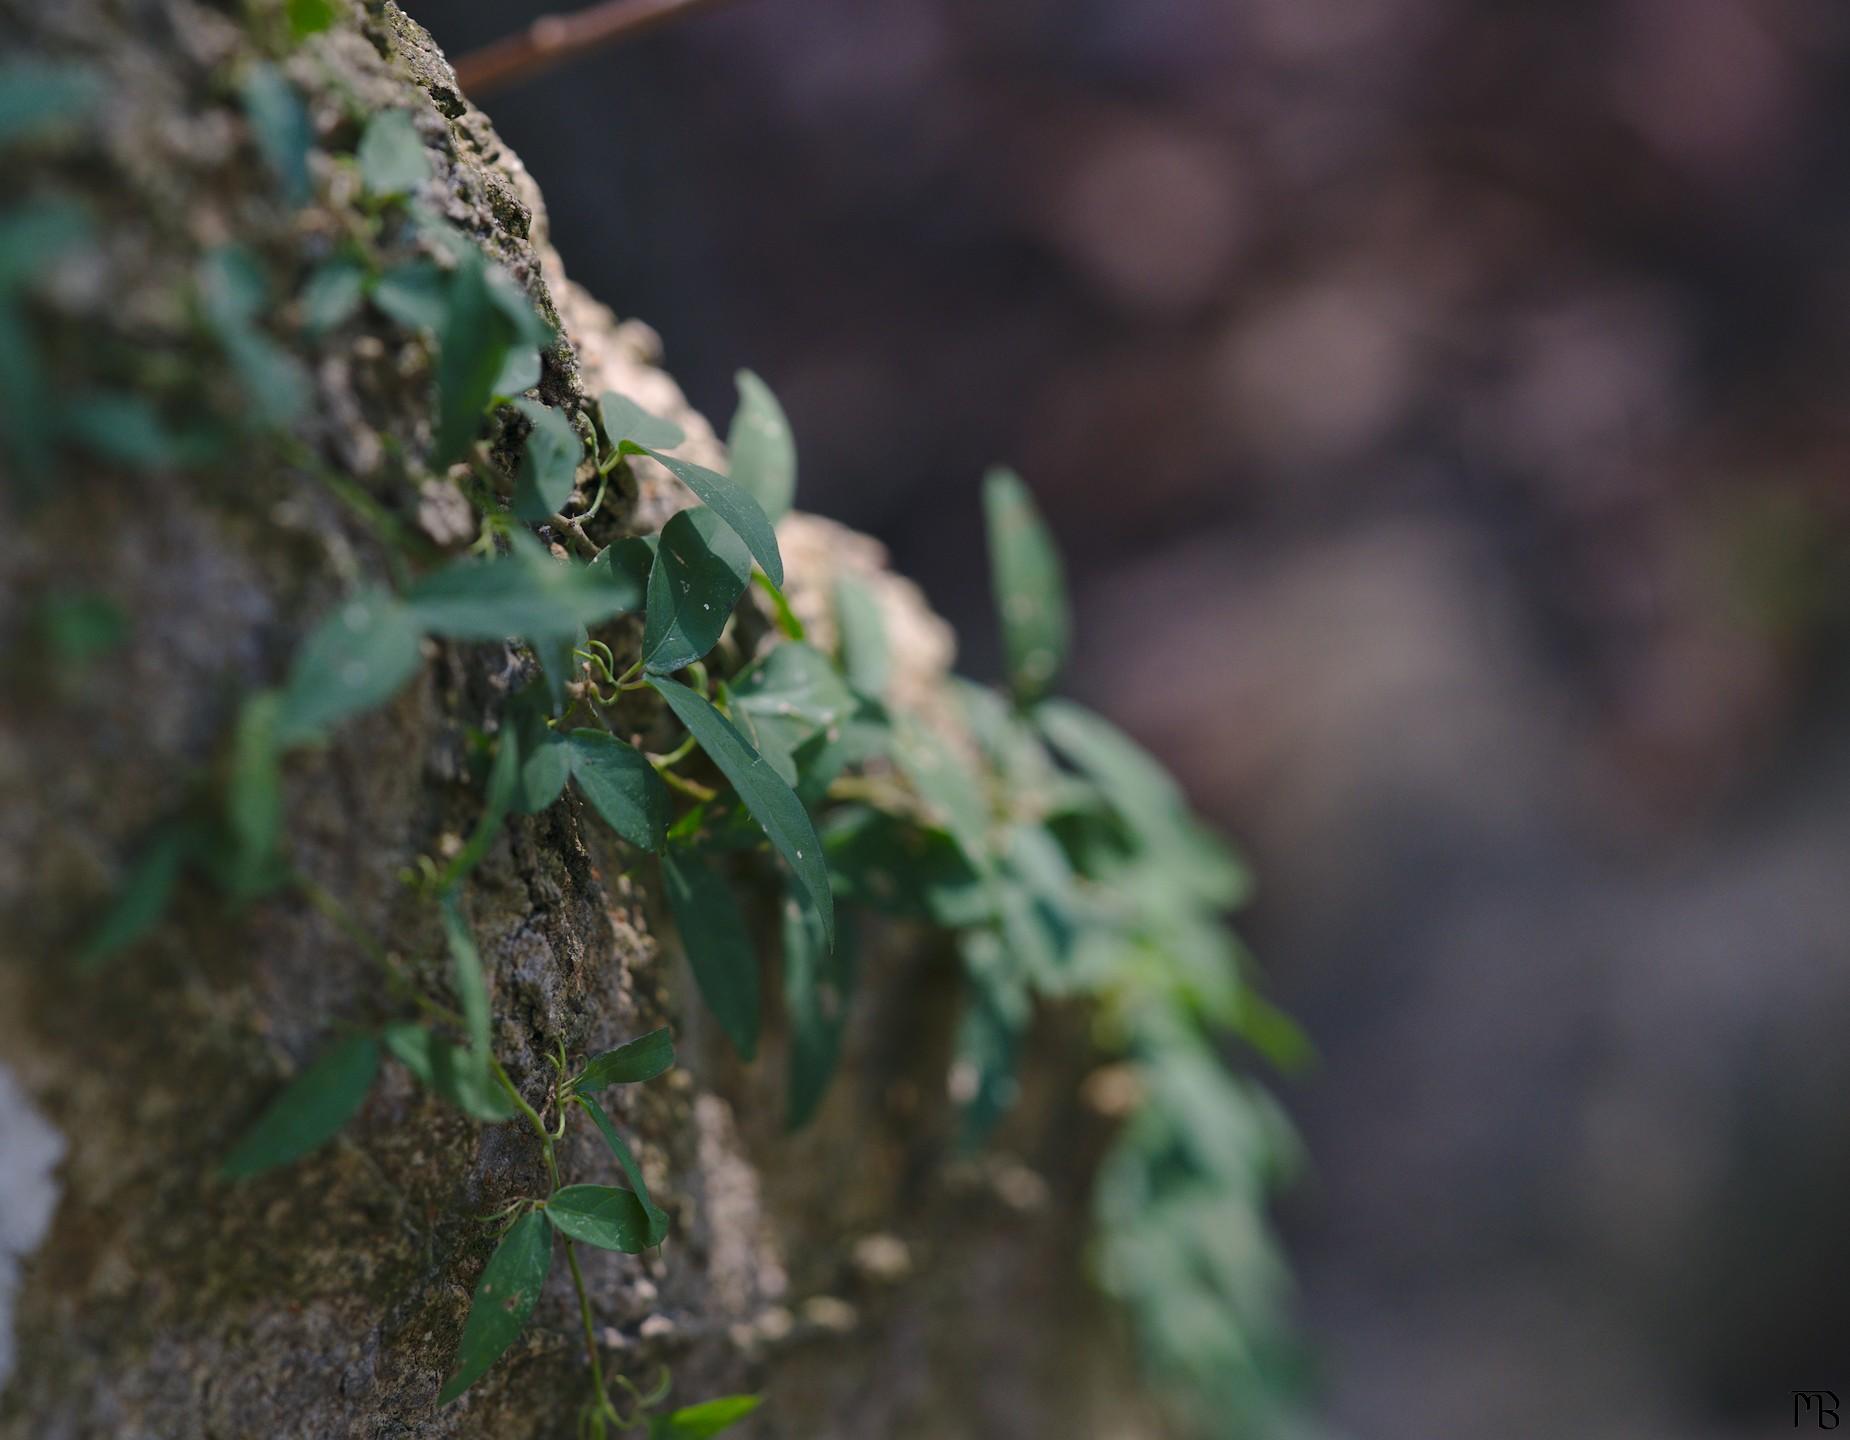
[[868, 1281]]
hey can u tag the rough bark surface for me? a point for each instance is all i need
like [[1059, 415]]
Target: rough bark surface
[[868, 1281]]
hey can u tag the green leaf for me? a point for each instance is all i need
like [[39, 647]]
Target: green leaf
[[503, 781], [450, 1071], [719, 947], [880, 861], [626, 422], [36, 235], [629, 1064], [504, 1298], [311, 1111], [735, 505], [526, 592], [309, 17], [657, 1219], [520, 372], [391, 154], [626, 566], [416, 295], [1029, 585], [787, 622], [516, 306], [253, 793], [549, 459], [701, 568], [795, 682], [466, 975], [38, 95], [817, 987], [332, 295], [545, 766], [863, 736], [772, 803], [864, 655], [232, 294], [356, 659], [601, 1215], [949, 785], [281, 127], [621, 785], [988, 1044], [473, 341], [698, 1422], [142, 897], [764, 456]]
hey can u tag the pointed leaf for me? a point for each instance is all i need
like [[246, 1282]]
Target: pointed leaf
[[795, 682], [601, 1215], [473, 342], [504, 1298], [735, 505], [448, 1070], [701, 568], [357, 658], [621, 785], [627, 422], [699, 1422], [141, 899], [817, 986], [414, 294], [520, 372], [719, 947], [625, 566], [391, 155], [525, 592], [764, 456], [640, 1059], [772, 803], [657, 1219], [36, 95], [280, 126], [549, 459], [311, 1111], [1029, 584], [497, 797], [332, 295], [545, 766], [864, 656]]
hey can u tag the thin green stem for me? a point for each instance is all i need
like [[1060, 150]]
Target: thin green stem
[[584, 1315], [533, 1118]]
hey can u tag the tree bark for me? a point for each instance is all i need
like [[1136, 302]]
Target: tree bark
[[868, 1280]]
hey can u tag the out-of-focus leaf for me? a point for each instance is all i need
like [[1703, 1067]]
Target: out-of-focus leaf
[[719, 947], [520, 372], [864, 655], [549, 459], [142, 897], [701, 568], [818, 984], [630, 1063], [504, 1298], [35, 235], [449, 1070], [309, 17], [414, 294], [232, 294], [764, 456], [473, 343], [949, 785], [627, 423], [735, 505], [621, 785], [772, 803], [77, 626], [311, 1111], [37, 96], [988, 1043], [699, 1422], [391, 154], [1030, 586], [884, 863], [625, 565], [657, 1219], [253, 793], [601, 1215], [526, 592], [357, 658], [280, 125], [497, 798], [333, 294]]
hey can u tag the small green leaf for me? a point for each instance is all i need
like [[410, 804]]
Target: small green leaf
[[309, 17], [817, 986], [601, 1215], [701, 568], [391, 154], [880, 861], [504, 1298], [626, 422], [332, 295], [38, 95], [764, 456], [280, 125], [466, 975], [473, 343], [448, 1069], [355, 659], [311, 1111], [735, 505], [950, 786], [657, 1219], [516, 306], [988, 1043], [232, 294], [699, 1422], [520, 372], [414, 294], [253, 793], [795, 682], [626, 566], [549, 459], [772, 803], [719, 947], [629, 1064], [787, 622], [503, 781], [142, 897], [34, 236], [526, 592], [1030, 587], [621, 785], [864, 655], [545, 766]]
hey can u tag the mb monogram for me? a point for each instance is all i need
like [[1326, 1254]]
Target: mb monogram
[[1819, 1405]]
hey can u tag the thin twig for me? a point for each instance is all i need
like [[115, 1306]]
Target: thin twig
[[552, 39]]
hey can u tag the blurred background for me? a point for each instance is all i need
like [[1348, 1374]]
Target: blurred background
[[1443, 410]]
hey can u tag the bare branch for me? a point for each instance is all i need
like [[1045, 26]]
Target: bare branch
[[552, 39]]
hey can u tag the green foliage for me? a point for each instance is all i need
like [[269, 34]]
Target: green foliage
[[864, 658], [141, 898], [697, 1422], [621, 785], [333, 295], [818, 987], [629, 1064], [354, 661], [1030, 590], [391, 156], [310, 1112], [628, 427], [524, 593], [309, 17], [280, 125], [601, 1215], [504, 1298], [734, 505], [764, 455], [549, 458], [232, 297], [657, 1219], [701, 568], [39, 96], [719, 946]]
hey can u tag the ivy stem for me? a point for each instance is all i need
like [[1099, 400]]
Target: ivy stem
[[693, 789], [533, 1118], [584, 1315]]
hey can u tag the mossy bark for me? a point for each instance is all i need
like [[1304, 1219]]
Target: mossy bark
[[871, 1282]]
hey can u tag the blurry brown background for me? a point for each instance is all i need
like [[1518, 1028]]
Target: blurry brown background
[[1442, 408]]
